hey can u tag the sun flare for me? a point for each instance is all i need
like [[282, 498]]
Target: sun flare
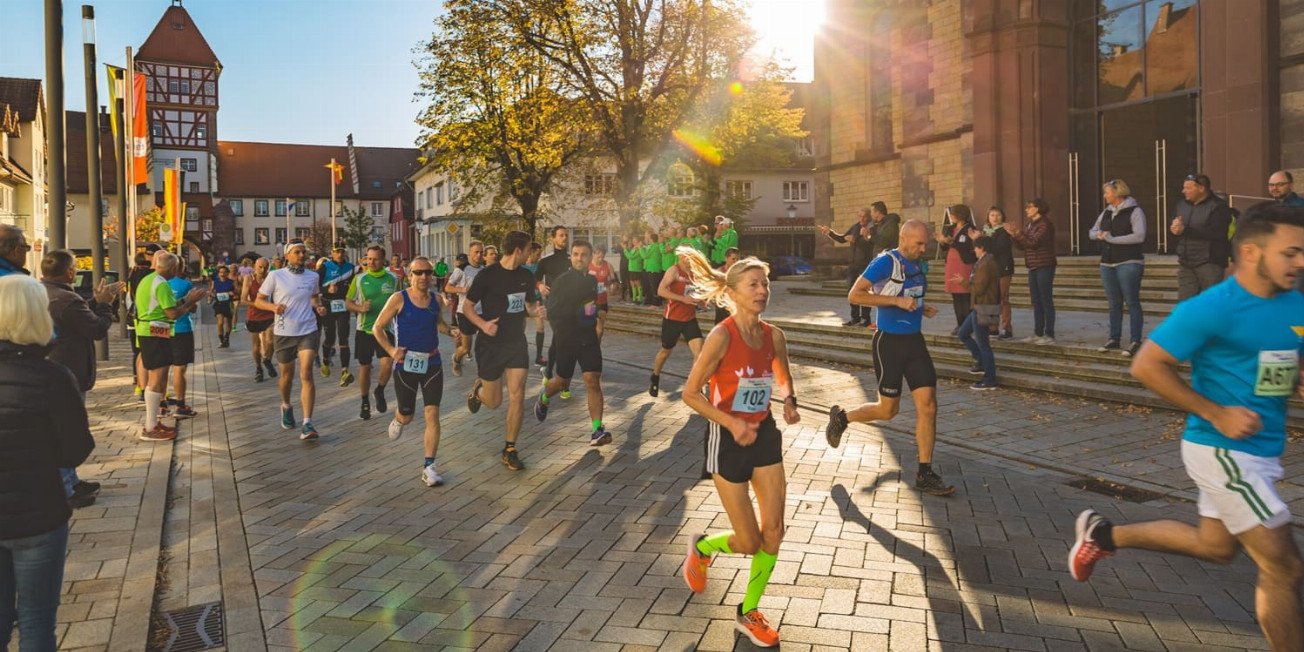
[[786, 31]]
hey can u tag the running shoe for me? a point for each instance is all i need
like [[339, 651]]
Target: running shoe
[[982, 387], [167, 427], [654, 387], [600, 437], [159, 433], [184, 410], [931, 483], [1085, 551], [512, 460], [473, 401], [395, 429], [753, 625], [695, 565], [1131, 350], [837, 424], [140, 395], [83, 494], [457, 366], [431, 478], [1043, 341], [287, 418], [308, 433], [271, 368], [381, 406], [976, 369], [540, 362], [1005, 335], [258, 374], [365, 412], [326, 368], [540, 409], [565, 394], [346, 379], [171, 401]]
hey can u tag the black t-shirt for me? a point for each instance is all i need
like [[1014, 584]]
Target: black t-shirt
[[502, 294], [573, 308], [550, 267]]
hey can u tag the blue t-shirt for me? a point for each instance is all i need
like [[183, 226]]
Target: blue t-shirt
[[892, 319], [1244, 350], [181, 287], [226, 287]]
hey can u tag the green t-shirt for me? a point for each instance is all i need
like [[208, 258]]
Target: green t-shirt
[[652, 257], [635, 257], [375, 287], [668, 255], [153, 296], [723, 243]]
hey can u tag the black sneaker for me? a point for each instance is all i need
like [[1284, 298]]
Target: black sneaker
[[977, 370], [271, 368], [540, 409], [837, 424], [258, 374], [381, 406], [83, 494], [1132, 349], [1005, 335], [511, 460], [1111, 345], [931, 483], [655, 385], [472, 400], [365, 412], [851, 322]]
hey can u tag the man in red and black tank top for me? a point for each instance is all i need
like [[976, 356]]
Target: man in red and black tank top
[[678, 320], [258, 322]]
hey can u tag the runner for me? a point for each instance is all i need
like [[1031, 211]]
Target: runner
[[730, 257], [490, 256], [550, 267], [294, 295], [156, 309], [396, 268], [895, 283], [459, 282], [416, 320], [574, 312], [679, 318], [336, 274], [223, 299], [608, 284], [258, 322], [505, 292], [367, 296], [1244, 338], [744, 360], [634, 254], [183, 344]]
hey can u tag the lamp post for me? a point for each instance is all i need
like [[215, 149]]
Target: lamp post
[[93, 161], [792, 229], [56, 167]]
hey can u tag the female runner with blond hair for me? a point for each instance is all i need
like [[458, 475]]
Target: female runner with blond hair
[[745, 360]]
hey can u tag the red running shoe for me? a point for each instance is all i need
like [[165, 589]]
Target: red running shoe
[[1085, 551], [695, 565]]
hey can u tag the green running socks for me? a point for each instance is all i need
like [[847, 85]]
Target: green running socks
[[715, 543], [762, 567]]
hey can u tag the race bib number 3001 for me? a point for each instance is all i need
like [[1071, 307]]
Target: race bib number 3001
[[1277, 373], [753, 395], [516, 302]]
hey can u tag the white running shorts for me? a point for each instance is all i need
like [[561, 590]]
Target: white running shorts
[[1236, 488]]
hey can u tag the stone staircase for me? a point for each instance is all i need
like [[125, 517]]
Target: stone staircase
[[1077, 285]]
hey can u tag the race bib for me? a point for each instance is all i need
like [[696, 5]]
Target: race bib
[[223, 296], [1277, 373], [160, 329], [416, 363], [516, 302], [917, 291], [337, 305], [602, 288], [753, 395]]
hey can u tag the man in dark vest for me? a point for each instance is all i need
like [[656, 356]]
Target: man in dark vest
[[1202, 223]]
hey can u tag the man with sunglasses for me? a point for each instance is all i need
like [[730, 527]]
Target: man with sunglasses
[[1202, 225]]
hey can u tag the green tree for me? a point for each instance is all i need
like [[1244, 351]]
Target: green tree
[[497, 121], [358, 230], [639, 66]]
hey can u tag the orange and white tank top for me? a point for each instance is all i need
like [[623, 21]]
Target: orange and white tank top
[[678, 310], [744, 381]]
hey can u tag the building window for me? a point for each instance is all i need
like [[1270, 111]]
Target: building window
[[280, 235], [173, 86], [301, 208], [156, 130], [679, 183], [261, 236], [738, 189], [378, 233], [301, 232], [375, 185], [805, 147], [439, 195], [339, 208], [260, 208], [201, 132], [378, 209], [280, 208], [237, 207], [429, 197], [194, 186], [796, 191], [192, 213], [189, 164], [239, 236], [600, 184]]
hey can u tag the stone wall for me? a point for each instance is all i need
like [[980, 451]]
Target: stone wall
[[1292, 86]]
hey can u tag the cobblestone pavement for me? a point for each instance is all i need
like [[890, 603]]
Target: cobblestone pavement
[[338, 545]]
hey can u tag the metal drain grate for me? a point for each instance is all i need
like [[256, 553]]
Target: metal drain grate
[[200, 627]]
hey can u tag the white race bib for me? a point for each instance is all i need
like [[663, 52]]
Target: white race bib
[[602, 287], [753, 395], [516, 302], [416, 363], [337, 305], [160, 329], [1277, 373], [223, 296]]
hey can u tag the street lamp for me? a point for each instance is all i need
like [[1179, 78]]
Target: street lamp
[[792, 226], [792, 211]]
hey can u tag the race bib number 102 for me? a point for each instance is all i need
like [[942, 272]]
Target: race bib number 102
[[753, 395]]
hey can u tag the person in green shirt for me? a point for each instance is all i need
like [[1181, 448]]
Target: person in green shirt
[[725, 237], [366, 296], [652, 269], [668, 256], [156, 309], [633, 253]]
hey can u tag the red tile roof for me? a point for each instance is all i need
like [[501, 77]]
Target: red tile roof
[[386, 166], [279, 170], [23, 96], [176, 39]]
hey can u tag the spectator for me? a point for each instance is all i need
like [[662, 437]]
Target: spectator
[[1121, 231], [885, 231], [1003, 250], [725, 237], [1037, 240], [859, 237], [44, 428], [957, 236], [13, 250], [1281, 189], [1203, 224], [78, 324], [984, 286]]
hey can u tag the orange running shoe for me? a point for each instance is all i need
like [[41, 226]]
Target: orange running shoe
[[695, 565], [755, 627]]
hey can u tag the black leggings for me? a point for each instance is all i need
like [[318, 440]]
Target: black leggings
[[962, 303], [337, 326]]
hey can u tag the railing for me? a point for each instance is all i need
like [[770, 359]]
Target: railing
[[1075, 206], [1161, 195]]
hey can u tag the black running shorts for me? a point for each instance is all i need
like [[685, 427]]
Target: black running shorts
[[429, 384], [589, 358], [365, 347], [492, 357], [736, 463], [672, 330], [898, 357], [222, 308], [183, 349], [155, 352], [258, 326]]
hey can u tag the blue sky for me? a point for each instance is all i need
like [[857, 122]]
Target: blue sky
[[293, 71]]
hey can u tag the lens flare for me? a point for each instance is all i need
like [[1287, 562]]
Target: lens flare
[[700, 145], [736, 88]]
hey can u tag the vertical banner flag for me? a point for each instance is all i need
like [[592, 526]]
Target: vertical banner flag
[[116, 75], [173, 209], [139, 129]]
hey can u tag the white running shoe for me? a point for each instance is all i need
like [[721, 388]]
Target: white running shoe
[[431, 478], [395, 430]]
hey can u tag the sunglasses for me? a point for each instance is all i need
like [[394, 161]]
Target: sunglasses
[[422, 272]]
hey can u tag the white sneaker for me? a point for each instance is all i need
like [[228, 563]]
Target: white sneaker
[[395, 430], [431, 478], [1031, 339], [1043, 341]]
